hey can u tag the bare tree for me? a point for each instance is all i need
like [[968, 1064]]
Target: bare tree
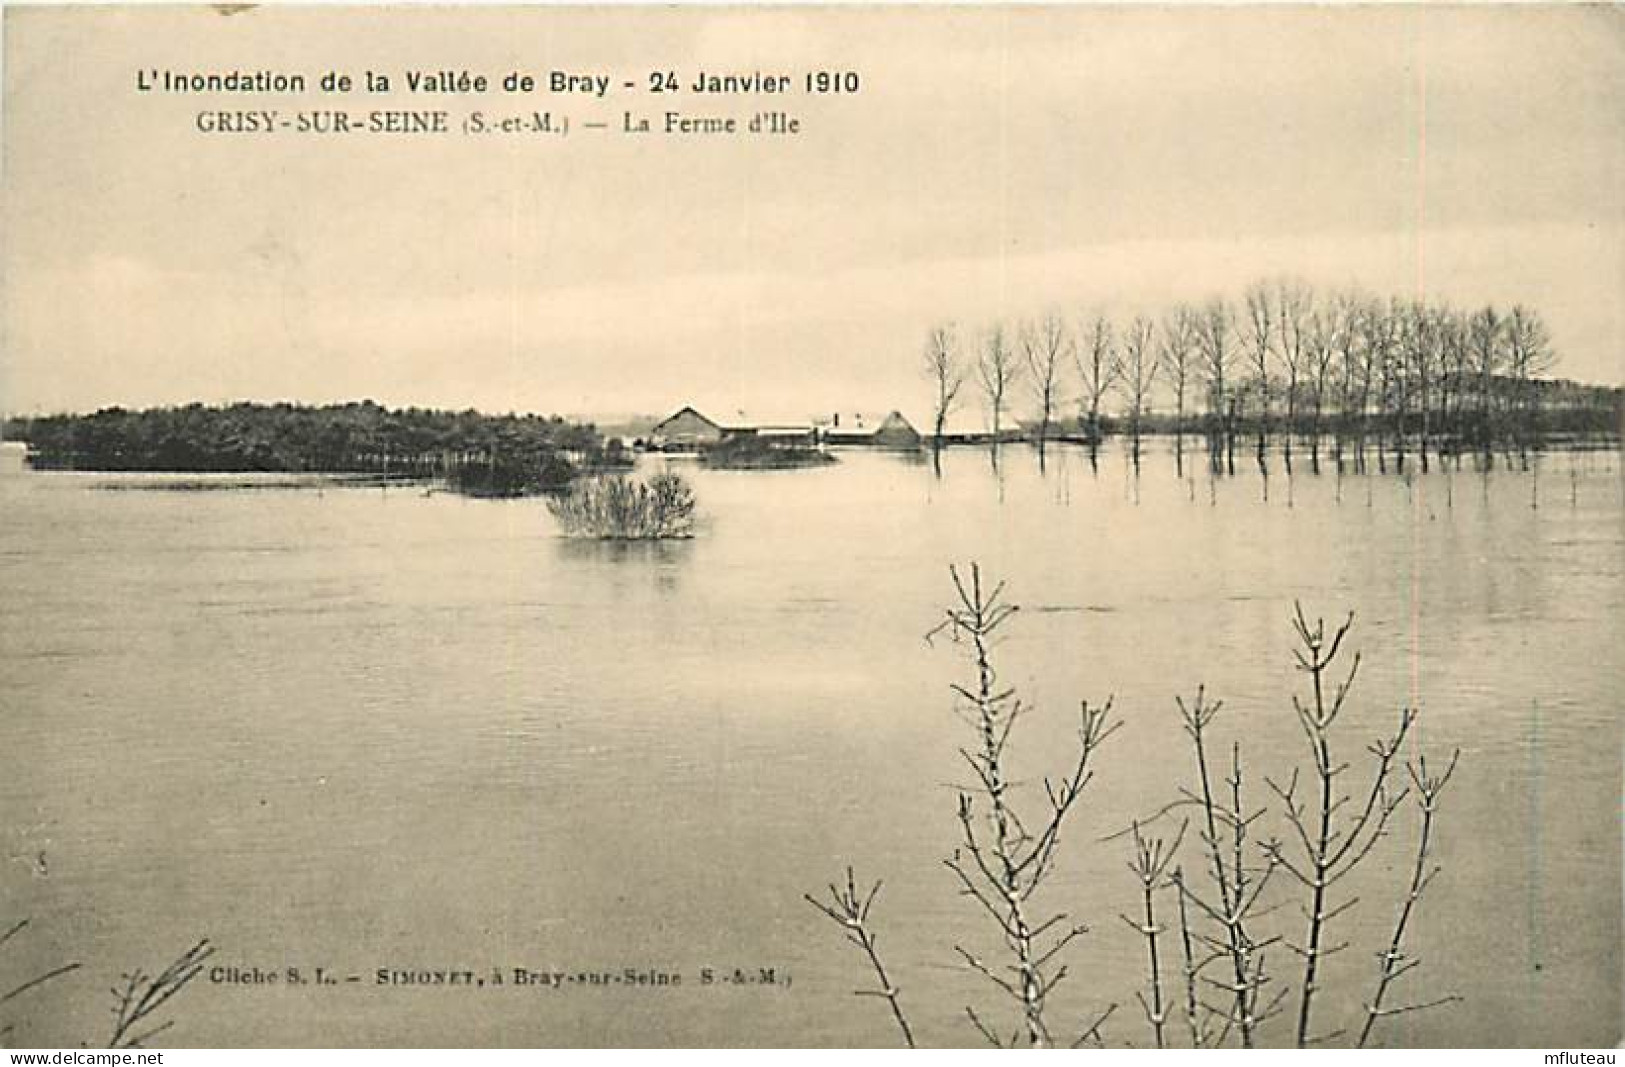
[[945, 370], [996, 372], [1044, 347], [1294, 308], [34, 979], [1009, 839], [1486, 332], [1137, 373], [1332, 832], [849, 910], [1260, 307], [1218, 352], [1388, 384], [1005, 855], [1328, 327], [1455, 369], [1529, 355], [1176, 353], [1350, 397], [1367, 350], [1097, 370], [140, 995], [1152, 858], [1395, 962], [1423, 353], [1224, 831]]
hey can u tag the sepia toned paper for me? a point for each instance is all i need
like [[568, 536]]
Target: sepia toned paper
[[369, 759]]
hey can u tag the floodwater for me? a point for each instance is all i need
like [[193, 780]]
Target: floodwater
[[359, 729]]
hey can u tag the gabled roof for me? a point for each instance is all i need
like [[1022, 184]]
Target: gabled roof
[[738, 420], [859, 422], [679, 413]]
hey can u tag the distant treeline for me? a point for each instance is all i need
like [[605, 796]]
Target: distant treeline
[[1557, 409], [1284, 367], [499, 455]]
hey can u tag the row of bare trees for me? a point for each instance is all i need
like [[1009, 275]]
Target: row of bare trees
[[1289, 366], [1035, 360]]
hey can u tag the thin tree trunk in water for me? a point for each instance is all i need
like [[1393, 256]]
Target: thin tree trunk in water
[[1230, 438], [1423, 451], [1179, 432]]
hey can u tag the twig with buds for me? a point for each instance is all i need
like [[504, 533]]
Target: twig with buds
[[1330, 842], [141, 995], [1395, 963], [1150, 865], [1238, 885], [850, 912], [1003, 858]]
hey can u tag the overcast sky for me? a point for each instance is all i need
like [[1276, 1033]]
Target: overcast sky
[[996, 164]]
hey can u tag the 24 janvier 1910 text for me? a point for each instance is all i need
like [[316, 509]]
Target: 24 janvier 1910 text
[[467, 82]]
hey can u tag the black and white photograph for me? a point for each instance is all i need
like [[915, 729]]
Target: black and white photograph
[[709, 526]]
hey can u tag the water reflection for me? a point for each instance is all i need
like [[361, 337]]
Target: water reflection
[[662, 562], [407, 729], [592, 550]]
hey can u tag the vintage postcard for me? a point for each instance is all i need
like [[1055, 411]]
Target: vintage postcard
[[1085, 526]]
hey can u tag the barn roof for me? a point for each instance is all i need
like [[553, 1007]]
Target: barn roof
[[735, 419], [859, 422], [686, 409]]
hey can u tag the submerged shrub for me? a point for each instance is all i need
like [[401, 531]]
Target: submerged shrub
[[617, 508]]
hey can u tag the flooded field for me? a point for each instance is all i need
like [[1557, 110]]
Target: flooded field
[[373, 729]]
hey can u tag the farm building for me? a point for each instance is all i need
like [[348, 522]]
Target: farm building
[[687, 429], [890, 430], [781, 433]]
